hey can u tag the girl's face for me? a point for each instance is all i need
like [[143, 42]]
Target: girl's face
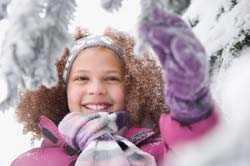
[[95, 82]]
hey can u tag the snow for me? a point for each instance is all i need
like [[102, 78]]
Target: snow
[[29, 50], [217, 33], [3, 8]]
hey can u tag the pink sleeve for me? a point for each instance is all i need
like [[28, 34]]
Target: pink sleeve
[[52, 136], [173, 133]]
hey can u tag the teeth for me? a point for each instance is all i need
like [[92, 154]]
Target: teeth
[[97, 107]]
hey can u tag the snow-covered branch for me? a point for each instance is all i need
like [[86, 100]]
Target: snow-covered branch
[[176, 6], [111, 5], [223, 27], [37, 34], [3, 8]]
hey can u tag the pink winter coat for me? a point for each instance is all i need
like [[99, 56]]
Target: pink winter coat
[[55, 152]]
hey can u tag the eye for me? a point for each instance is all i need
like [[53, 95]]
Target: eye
[[80, 78], [113, 79]]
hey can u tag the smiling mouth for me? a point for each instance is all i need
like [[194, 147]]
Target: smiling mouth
[[98, 107]]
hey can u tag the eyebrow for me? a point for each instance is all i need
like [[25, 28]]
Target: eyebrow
[[107, 71]]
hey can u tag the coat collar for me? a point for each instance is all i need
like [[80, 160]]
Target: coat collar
[[52, 136]]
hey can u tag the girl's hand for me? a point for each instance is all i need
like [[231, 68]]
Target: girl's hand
[[181, 54], [185, 62], [78, 128]]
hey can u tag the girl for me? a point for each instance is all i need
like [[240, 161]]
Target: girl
[[110, 107]]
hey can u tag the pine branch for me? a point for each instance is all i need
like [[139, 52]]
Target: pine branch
[[111, 5], [233, 4], [174, 6], [3, 8], [193, 23], [38, 32]]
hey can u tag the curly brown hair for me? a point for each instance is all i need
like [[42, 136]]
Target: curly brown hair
[[144, 90]]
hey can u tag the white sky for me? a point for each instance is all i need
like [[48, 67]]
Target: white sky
[[96, 19]]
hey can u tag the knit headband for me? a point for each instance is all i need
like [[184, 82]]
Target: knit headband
[[87, 42]]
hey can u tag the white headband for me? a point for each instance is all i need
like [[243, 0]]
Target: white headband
[[87, 42]]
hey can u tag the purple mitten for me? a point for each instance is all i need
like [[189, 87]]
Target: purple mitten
[[78, 129], [185, 62]]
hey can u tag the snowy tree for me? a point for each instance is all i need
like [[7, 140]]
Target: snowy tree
[[223, 26], [33, 41]]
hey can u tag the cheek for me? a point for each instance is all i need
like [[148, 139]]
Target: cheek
[[74, 98], [118, 95]]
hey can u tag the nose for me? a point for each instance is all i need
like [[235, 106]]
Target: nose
[[96, 88]]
